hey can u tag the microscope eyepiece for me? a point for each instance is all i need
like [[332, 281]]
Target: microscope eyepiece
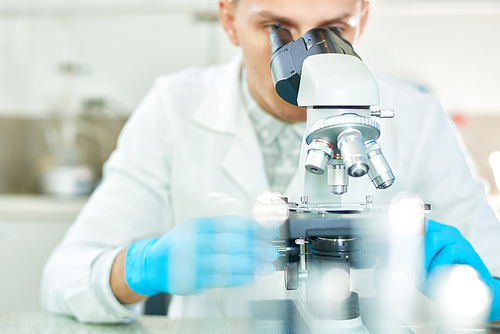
[[287, 56], [278, 37]]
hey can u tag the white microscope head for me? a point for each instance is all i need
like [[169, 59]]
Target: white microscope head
[[321, 71]]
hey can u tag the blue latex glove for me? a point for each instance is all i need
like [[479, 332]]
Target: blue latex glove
[[444, 246], [198, 254]]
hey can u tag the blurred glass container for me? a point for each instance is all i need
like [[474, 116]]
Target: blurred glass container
[[30, 165], [67, 181]]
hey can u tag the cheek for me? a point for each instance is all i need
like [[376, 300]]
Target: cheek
[[351, 33], [257, 58]]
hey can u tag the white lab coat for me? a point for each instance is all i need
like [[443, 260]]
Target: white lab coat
[[190, 139]]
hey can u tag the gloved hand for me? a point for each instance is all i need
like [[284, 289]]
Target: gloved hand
[[444, 246], [198, 254]]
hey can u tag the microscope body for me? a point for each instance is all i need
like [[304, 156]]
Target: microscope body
[[337, 90], [325, 238]]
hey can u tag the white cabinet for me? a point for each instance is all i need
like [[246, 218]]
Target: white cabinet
[[34, 7], [452, 55], [30, 228], [115, 48]]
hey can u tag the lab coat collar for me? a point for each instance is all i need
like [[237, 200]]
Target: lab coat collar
[[222, 111], [244, 162], [219, 110]]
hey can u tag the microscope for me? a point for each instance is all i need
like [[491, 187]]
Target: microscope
[[323, 238]]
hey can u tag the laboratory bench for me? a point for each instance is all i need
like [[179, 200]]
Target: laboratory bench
[[40, 208], [30, 227], [38, 322]]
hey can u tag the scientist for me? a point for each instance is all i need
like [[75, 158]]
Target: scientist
[[202, 133]]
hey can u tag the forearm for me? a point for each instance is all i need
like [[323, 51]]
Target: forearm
[[118, 283]]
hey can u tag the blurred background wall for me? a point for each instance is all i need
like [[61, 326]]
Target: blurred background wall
[[72, 71], [63, 61]]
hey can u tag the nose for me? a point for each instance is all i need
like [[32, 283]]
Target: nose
[[298, 33]]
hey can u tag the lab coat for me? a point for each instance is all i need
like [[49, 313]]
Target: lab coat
[[191, 141]]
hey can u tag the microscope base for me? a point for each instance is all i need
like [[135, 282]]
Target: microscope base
[[289, 316], [351, 326]]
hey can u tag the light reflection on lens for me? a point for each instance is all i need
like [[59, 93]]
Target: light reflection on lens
[[407, 214], [336, 284], [463, 294], [270, 209], [221, 204]]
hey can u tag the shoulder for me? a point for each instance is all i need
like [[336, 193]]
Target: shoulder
[[397, 94], [182, 93], [191, 78], [188, 85], [405, 97], [175, 97], [416, 109]]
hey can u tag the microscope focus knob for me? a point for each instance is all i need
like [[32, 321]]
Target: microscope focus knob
[[291, 272]]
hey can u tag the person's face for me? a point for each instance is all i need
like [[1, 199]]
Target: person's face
[[247, 24]]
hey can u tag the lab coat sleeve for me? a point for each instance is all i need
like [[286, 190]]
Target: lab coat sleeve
[[132, 203], [447, 180]]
